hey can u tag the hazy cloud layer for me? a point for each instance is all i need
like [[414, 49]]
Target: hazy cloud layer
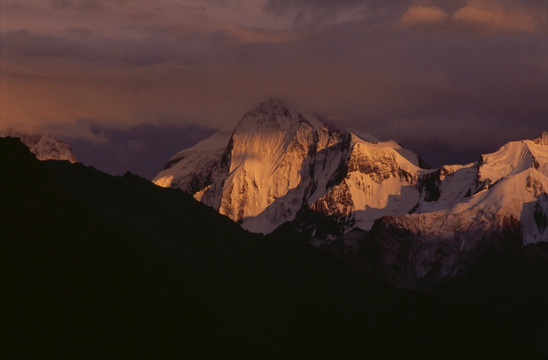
[[463, 74], [142, 150]]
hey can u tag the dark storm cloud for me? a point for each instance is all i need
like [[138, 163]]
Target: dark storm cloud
[[365, 11], [463, 75], [81, 32], [314, 12], [473, 16], [29, 45], [86, 5], [79, 44], [282, 6]]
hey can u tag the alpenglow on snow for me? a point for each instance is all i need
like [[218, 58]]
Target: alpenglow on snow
[[278, 162], [281, 166]]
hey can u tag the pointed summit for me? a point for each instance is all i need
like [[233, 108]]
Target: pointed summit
[[274, 115], [271, 106]]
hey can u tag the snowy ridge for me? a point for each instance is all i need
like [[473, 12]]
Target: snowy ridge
[[508, 198], [379, 181], [45, 147], [467, 211]]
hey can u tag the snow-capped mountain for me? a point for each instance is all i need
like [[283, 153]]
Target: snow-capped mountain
[[278, 161], [45, 147], [280, 166], [510, 183], [466, 212]]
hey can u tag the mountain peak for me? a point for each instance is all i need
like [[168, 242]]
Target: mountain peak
[[267, 111], [279, 161], [274, 115], [45, 147], [272, 106]]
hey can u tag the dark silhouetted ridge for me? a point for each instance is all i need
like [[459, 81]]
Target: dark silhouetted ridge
[[101, 267]]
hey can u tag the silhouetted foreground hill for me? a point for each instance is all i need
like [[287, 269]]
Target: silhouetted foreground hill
[[100, 267]]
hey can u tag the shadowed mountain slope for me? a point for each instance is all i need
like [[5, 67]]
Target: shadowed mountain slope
[[101, 267]]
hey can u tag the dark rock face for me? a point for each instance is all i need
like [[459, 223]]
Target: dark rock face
[[429, 186], [337, 202], [541, 219], [535, 186], [378, 168], [412, 260]]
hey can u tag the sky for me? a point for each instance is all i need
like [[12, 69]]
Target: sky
[[130, 82]]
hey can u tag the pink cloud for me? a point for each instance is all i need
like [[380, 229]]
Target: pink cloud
[[495, 18], [423, 15], [254, 35]]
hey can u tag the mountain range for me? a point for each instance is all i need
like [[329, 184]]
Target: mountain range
[[328, 245], [347, 193]]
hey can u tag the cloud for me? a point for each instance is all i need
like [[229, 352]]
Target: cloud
[[253, 35], [324, 12], [496, 18], [283, 6], [477, 17], [143, 150], [385, 67], [423, 15], [9, 6], [86, 5], [79, 31]]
